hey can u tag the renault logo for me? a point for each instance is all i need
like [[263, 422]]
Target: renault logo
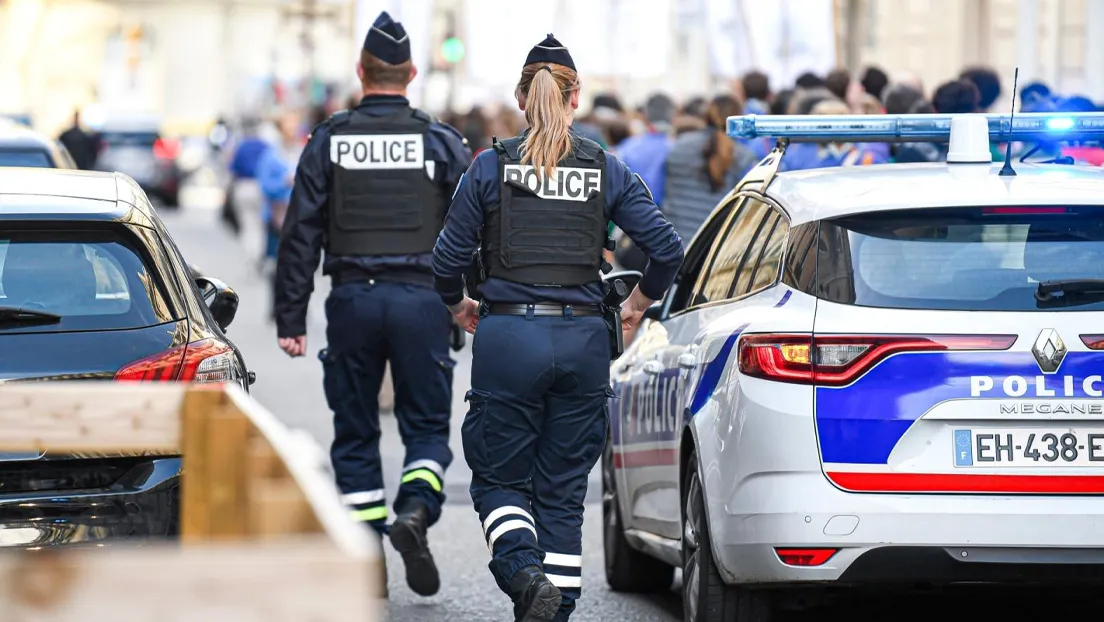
[[1049, 351]]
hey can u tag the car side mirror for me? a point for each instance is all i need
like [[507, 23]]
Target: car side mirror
[[220, 299], [654, 312]]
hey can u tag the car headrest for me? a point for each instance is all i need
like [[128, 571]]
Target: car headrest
[[46, 273]]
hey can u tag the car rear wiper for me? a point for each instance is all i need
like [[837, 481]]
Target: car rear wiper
[[1074, 292], [20, 315]]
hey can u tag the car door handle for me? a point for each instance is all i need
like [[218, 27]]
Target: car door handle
[[652, 368], [687, 361]]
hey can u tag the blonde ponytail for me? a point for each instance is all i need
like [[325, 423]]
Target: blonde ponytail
[[547, 89]]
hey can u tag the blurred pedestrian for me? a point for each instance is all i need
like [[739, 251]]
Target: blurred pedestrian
[[646, 154], [809, 80], [1036, 97], [371, 189], [691, 116], [536, 423], [844, 153], [988, 84], [276, 178], [839, 83], [702, 167], [781, 102], [957, 97], [874, 81], [903, 99], [757, 92], [81, 144]]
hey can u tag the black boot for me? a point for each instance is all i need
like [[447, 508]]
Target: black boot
[[408, 536], [535, 598]]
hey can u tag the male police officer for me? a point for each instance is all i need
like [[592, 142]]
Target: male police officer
[[372, 187]]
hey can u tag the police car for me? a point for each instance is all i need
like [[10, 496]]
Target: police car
[[870, 374]]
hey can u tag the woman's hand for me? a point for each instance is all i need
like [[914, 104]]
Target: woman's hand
[[632, 312], [465, 314]]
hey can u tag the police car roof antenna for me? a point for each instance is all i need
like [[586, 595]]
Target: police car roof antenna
[[1006, 170]]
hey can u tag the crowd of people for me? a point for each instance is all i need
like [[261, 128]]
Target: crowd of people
[[680, 149]]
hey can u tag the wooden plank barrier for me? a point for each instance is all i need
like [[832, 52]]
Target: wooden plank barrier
[[264, 535]]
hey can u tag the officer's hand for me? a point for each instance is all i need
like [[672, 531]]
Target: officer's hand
[[466, 314], [294, 346], [632, 312]]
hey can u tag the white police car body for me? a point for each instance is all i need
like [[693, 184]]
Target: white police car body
[[951, 425]]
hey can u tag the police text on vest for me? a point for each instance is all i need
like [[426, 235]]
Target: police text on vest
[[566, 184], [391, 151]]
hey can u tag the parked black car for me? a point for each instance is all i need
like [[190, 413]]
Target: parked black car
[[93, 287], [21, 146]]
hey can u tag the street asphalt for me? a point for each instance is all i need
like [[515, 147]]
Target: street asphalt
[[292, 390]]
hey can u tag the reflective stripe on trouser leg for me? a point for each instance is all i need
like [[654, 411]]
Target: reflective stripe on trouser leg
[[429, 471], [564, 571], [368, 506], [506, 519]]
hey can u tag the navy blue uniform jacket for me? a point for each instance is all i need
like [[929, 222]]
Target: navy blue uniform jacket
[[301, 241], [628, 204]]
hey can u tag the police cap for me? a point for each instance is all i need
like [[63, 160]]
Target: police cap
[[387, 40], [550, 51]]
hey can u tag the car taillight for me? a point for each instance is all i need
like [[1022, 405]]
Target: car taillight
[[805, 557], [1093, 342], [201, 361], [165, 149], [837, 360]]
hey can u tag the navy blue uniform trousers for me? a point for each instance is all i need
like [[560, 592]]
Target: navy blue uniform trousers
[[535, 428], [368, 325]]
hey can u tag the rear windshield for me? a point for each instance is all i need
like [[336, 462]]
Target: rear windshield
[[983, 259], [32, 159], [95, 280]]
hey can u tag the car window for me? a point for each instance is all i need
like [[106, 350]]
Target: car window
[[768, 264], [697, 254], [720, 276], [95, 280], [26, 158], [129, 139], [801, 257], [754, 250], [979, 259]]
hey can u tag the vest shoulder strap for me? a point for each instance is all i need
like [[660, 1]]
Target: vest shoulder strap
[[586, 149], [423, 116], [339, 118], [511, 148]]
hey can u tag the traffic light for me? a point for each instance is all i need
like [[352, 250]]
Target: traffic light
[[452, 50]]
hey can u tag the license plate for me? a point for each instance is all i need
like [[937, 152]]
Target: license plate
[[1055, 447]]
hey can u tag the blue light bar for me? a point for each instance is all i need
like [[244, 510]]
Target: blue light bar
[[1028, 127]]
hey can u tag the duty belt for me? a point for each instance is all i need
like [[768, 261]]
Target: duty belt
[[544, 309], [344, 276]]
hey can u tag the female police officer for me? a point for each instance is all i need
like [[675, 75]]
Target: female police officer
[[536, 424]]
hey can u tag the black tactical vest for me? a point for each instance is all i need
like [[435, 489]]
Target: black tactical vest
[[548, 231], [384, 200]]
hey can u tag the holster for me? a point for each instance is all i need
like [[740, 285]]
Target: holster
[[475, 275], [612, 315], [457, 338]]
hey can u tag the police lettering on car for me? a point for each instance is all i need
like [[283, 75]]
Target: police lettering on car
[[372, 188], [537, 207]]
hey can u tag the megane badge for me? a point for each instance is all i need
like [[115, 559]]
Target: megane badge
[[1049, 351]]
